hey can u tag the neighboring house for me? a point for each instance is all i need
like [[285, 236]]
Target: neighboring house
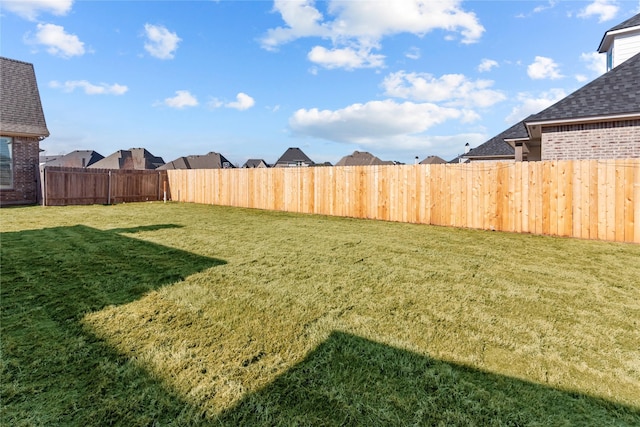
[[293, 157], [255, 163], [210, 160], [433, 160], [22, 127], [601, 120], [76, 159], [621, 42], [598, 121], [133, 158], [361, 158]]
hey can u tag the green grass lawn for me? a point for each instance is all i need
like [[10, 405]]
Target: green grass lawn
[[179, 314]]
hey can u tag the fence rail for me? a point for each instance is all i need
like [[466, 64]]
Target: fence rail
[[591, 199], [75, 186]]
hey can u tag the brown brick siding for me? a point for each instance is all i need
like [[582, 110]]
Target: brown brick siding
[[607, 140], [26, 153]]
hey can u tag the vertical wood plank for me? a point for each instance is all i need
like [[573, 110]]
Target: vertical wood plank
[[611, 204], [628, 200], [546, 197], [620, 194], [636, 200]]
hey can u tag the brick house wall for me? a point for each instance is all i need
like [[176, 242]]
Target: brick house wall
[[606, 140], [26, 151]]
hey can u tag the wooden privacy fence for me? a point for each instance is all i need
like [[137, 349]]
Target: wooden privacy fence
[[591, 199], [75, 186]]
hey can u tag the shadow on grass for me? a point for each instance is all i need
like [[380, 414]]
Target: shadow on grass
[[53, 371], [56, 373], [349, 380]]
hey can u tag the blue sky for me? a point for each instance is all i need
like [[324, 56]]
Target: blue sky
[[248, 79]]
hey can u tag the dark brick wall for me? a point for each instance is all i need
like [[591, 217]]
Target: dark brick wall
[[26, 153]]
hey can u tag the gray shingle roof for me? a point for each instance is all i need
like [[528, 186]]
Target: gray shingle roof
[[134, 158], [77, 159], [359, 158], [210, 160], [433, 160], [616, 92], [255, 163], [20, 107], [293, 155], [496, 146], [493, 147], [634, 21]]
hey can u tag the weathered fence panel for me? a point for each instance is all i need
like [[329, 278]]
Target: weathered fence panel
[[590, 199], [75, 186]]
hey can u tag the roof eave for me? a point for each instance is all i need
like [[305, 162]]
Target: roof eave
[[605, 43], [39, 135], [499, 156], [512, 141], [534, 127], [581, 120], [608, 37]]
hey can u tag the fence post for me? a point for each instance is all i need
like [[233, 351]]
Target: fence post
[[109, 190], [43, 185]]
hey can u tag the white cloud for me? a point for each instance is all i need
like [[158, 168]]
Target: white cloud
[[242, 102], [596, 62], [302, 19], [161, 43], [605, 10], [376, 122], [454, 90], [30, 9], [487, 65], [550, 4], [182, 99], [359, 26], [531, 104], [413, 53], [374, 20], [347, 58], [90, 88], [543, 68], [215, 103], [58, 42]]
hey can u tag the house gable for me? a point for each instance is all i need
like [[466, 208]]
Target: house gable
[[621, 42]]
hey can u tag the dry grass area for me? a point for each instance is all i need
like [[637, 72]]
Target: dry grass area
[[179, 314]]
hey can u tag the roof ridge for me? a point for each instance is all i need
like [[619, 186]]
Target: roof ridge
[[16, 60]]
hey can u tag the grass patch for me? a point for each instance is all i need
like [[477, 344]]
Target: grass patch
[[179, 314]]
